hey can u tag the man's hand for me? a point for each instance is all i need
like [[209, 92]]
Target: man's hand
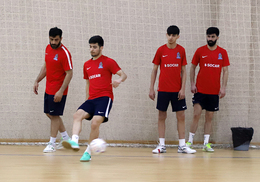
[[193, 88], [152, 94], [181, 94], [58, 96], [116, 83], [222, 93], [35, 87]]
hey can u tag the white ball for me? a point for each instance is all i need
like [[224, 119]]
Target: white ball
[[98, 145]]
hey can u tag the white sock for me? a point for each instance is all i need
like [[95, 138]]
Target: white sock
[[162, 141], [75, 138], [88, 150], [65, 135], [182, 142], [206, 139], [52, 140], [191, 136]]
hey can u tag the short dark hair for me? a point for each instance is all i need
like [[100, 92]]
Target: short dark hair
[[213, 30], [96, 39], [173, 29], [55, 31]]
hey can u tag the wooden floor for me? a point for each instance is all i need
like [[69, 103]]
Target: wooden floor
[[29, 164]]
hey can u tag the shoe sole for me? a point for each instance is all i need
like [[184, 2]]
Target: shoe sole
[[159, 152], [186, 152], [49, 151], [85, 160], [207, 151], [67, 145]]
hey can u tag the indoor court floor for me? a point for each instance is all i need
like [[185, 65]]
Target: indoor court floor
[[29, 164]]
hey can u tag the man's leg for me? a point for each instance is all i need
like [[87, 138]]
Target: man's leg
[[162, 115], [197, 109], [207, 130], [182, 148]]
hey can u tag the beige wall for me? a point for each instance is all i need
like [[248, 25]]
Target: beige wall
[[132, 30]]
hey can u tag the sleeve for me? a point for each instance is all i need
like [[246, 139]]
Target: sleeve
[[85, 74], [114, 67], [184, 60], [196, 58], [226, 59], [157, 57], [66, 60]]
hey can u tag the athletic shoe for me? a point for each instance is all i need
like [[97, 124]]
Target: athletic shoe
[[69, 144], [186, 150], [50, 148], [59, 146], [189, 144], [86, 157], [207, 148], [159, 149]]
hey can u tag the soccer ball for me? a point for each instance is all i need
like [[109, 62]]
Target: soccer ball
[[98, 145]]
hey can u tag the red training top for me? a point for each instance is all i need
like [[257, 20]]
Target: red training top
[[211, 63], [99, 73], [57, 62], [171, 62]]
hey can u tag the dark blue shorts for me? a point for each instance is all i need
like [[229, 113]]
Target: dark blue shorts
[[207, 101], [54, 108], [99, 106], [164, 98]]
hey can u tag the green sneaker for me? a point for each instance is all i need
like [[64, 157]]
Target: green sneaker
[[189, 144], [69, 144], [207, 148], [86, 157]]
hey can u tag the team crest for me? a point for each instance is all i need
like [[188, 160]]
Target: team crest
[[220, 56], [100, 65], [56, 57], [178, 56]]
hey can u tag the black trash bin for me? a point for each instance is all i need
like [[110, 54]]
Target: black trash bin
[[242, 137]]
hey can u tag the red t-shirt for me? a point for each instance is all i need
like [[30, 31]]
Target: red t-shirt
[[99, 73], [211, 63], [57, 62], [170, 62]]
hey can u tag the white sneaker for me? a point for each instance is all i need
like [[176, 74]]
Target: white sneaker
[[59, 146], [186, 150], [207, 148], [51, 147], [159, 149]]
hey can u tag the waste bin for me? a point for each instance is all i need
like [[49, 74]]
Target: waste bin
[[242, 137]]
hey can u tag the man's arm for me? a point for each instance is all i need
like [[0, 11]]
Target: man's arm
[[192, 78], [58, 95], [87, 89], [39, 78], [122, 78], [153, 78], [222, 91], [181, 94]]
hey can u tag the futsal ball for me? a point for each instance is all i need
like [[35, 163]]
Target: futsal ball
[[98, 145]]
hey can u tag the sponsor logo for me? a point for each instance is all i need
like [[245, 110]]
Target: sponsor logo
[[52, 111], [56, 57], [212, 65], [220, 56], [216, 108], [100, 65], [204, 56], [164, 56], [183, 107], [46, 53], [171, 65], [178, 56], [88, 68], [94, 76], [100, 112]]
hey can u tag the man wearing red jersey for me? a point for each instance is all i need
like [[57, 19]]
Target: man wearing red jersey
[[212, 59], [98, 73], [171, 58], [58, 71]]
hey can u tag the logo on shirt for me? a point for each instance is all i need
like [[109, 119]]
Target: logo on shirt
[[56, 57], [164, 56], [220, 56], [204, 57], [88, 68], [94, 76], [178, 56], [171, 65], [212, 65], [100, 65]]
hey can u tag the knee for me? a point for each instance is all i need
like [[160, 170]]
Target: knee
[[181, 117], [95, 125], [162, 116]]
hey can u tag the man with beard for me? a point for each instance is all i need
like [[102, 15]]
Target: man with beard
[[98, 73], [58, 71], [212, 59]]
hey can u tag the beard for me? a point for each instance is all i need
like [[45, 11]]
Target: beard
[[211, 43], [55, 46], [95, 55]]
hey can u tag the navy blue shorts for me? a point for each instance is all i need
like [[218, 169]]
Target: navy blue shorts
[[207, 101], [54, 108], [100, 106], [164, 98]]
